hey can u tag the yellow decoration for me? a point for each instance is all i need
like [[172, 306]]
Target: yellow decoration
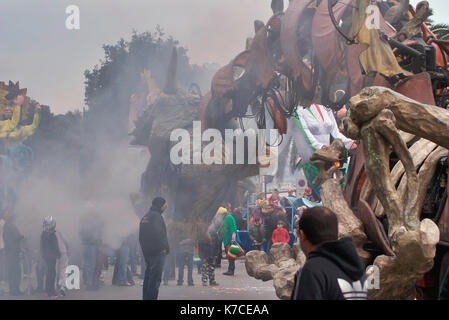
[[153, 89], [376, 54], [16, 137]]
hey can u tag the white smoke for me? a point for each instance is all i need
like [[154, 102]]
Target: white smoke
[[68, 197]]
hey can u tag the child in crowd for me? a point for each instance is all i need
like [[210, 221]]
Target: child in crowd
[[256, 234], [185, 258], [281, 233], [207, 254]]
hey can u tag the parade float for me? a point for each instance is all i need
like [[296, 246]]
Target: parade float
[[20, 117], [395, 199]]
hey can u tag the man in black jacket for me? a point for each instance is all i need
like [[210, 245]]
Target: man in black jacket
[[333, 270], [154, 244]]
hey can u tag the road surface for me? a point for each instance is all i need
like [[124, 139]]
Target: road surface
[[237, 287]]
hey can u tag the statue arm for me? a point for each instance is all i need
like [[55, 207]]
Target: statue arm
[[336, 133], [27, 131], [24, 131]]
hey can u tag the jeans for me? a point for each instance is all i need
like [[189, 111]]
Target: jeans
[[269, 244], [121, 266], [98, 266], [444, 291], [50, 279], [61, 267], [41, 271], [153, 276], [14, 271], [90, 261], [231, 266], [218, 248], [185, 259], [2, 265], [170, 267]]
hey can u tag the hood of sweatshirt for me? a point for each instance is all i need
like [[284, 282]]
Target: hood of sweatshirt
[[343, 253]]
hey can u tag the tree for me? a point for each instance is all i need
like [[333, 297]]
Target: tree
[[110, 85], [441, 30]]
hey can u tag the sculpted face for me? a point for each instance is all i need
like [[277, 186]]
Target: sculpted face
[[7, 112], [19, 100]]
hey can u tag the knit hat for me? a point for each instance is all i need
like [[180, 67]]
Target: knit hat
[[158, 202], [222, 210]]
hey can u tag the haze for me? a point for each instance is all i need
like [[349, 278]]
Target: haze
[[37, 49]]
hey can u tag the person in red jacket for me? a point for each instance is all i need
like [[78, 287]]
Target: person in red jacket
[[281, 233]]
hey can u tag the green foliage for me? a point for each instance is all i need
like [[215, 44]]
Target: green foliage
[[441, 30], [58, 139]]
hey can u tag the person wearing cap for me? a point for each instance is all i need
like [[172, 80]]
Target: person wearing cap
[[154, 243], [228, 233]]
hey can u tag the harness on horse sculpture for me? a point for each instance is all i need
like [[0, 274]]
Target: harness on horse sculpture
[[330, 6]]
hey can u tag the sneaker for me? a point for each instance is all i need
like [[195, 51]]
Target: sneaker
[[213, 284], [228, 273]]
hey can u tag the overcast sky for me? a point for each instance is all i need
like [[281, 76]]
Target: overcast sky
[[37, 49]]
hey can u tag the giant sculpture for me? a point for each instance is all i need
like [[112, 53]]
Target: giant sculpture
[[377, 116], [306, 54]]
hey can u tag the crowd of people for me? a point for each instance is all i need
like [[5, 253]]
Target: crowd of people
[[272, 219], [44, 271], [331, 262], [267, 223], [333, 269]]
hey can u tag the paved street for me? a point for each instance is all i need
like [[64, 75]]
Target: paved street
[[238, 287]]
